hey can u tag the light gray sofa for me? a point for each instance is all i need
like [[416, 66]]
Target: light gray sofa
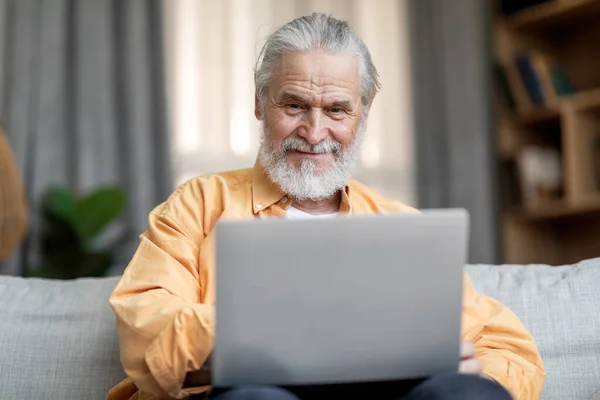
[[57, 338]]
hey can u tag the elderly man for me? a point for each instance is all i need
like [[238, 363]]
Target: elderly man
[[315, 83]]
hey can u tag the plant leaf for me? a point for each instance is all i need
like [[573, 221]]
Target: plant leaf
[[59, 204], [34, 272], [97, 210]]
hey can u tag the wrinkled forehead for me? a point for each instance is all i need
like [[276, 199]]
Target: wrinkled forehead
[[316, 72]]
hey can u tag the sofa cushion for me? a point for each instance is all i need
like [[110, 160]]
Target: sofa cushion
[[57, 339], [561, 308]]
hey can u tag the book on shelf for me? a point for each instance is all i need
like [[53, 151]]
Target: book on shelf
[[542, 71], [511, 88], [532, 80]]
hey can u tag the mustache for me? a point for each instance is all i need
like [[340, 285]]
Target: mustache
[[296, 143]]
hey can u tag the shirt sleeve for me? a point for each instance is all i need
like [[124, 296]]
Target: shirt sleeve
[[506, 349], [164, 328]]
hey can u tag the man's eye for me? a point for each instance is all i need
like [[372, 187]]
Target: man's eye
[[294, 106], [337, 110]]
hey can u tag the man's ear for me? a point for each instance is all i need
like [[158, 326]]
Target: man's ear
[[366, 114], [369, 106], [258, 112]]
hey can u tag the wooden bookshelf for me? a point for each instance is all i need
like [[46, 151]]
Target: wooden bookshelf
[[537, 116], [584, 100], [556, 210], [564, 228], [552, 14]]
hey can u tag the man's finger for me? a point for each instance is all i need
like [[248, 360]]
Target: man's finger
[[471, 366], [467, 350]]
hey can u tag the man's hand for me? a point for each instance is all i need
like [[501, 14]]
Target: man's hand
[[469, 363]]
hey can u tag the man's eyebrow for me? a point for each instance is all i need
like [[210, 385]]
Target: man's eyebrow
[[288, 96], [341, 104]]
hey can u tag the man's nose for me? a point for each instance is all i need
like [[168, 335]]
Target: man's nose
[[315, 128]]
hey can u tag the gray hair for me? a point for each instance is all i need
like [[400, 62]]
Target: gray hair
[[315, 31]]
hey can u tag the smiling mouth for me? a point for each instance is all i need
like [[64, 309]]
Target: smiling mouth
[[308, 153]]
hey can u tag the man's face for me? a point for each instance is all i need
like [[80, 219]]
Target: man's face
[[312, 123]]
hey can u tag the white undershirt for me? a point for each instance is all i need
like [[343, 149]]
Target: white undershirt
[[294, 213]]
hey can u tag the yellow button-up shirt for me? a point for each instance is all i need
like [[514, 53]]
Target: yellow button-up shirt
[[164, 303]]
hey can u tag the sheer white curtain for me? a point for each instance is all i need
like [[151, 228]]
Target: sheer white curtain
[[211, 47]]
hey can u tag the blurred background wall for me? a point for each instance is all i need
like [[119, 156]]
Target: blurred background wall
[[84, 107], [143, 94], [454, 142], [211, 49]]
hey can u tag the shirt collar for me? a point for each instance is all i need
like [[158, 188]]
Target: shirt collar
[[265, 193]]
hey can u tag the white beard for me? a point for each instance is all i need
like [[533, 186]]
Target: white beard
[[306, 183]]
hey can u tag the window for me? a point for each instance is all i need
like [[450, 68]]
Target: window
[[211, 47]]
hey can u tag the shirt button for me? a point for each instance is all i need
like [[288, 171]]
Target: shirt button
[[259, 206], [284, 200]]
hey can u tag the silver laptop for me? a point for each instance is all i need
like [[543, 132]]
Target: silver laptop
[[351, 299]]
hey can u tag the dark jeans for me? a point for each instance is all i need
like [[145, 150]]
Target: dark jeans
[[439, 387]]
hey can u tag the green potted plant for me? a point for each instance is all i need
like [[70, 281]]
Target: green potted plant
[[71, 227]]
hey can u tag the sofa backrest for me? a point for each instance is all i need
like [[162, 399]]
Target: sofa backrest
[[561, 308], [57, 339]]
